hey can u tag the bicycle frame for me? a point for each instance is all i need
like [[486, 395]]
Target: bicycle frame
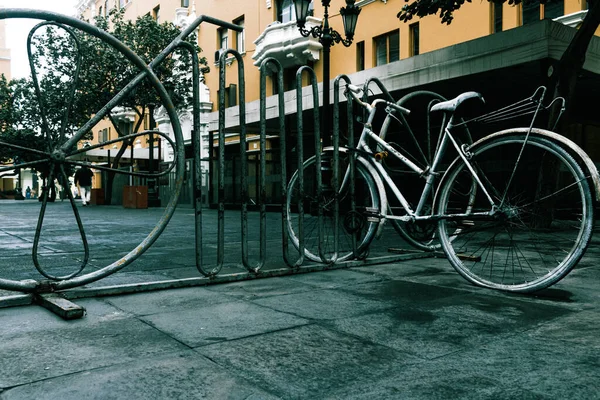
[[428, 174]]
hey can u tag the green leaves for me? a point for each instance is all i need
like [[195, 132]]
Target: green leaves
[[445, 8], [77, 74]]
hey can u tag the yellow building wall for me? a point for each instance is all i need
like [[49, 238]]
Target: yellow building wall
[[256, 18], [136, 8], [472, 21]]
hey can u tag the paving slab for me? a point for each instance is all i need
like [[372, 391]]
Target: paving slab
[[306, 362], [339, 278], [184, 375], [581, 328], [38, 345], [261, 288], [168, 300], [221, 322], [436, 328], [323, 304], [547, 368]]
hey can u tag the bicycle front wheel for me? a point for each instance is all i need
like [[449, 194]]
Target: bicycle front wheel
[[541, 223], [355, 229]]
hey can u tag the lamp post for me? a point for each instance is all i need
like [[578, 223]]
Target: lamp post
[[327, 37]]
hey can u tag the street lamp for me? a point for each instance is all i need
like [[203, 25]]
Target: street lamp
[[327, 37]]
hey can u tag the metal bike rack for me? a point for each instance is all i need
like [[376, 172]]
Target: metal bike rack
[[69, 286]]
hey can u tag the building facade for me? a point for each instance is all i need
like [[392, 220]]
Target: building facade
[[503, 51]]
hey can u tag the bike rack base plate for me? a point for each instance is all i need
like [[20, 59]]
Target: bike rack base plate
[[60, 306]]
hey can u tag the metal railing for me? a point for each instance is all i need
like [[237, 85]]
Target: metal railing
[[293, 258]]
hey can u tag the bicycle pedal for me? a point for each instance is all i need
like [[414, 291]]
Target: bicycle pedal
[[372, 214]]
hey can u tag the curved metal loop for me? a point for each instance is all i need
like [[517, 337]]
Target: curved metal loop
[[34, 77], [319, 177], [336, 37], [121, 139], [379, 85], [146, 73], [262, 191], [268, 65], [38, 232], [336, 157], [244, 168], [197, 171]]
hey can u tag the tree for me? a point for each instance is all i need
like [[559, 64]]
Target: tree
[[566, 70], [77, 74], [111, 71]]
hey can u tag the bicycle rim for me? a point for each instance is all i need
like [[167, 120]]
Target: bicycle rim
[[354, 228], [537, 234]]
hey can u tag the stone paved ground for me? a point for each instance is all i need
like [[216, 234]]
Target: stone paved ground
[[401, 330]]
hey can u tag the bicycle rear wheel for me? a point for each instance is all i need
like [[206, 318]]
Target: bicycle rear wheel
[[542, 224], [352, 224]]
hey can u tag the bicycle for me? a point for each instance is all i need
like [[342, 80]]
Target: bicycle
[[512, 211]]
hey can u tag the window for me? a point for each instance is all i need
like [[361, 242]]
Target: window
[[156, 14], [496, 17], [222, 36], [387, 48], [240, 37], [530, 12], [103, 135], [414, 39], [100, 12], [185, 3], [554, 9], [289, 79], [286, 11], [230, 95], [105, 7], [360, 56]]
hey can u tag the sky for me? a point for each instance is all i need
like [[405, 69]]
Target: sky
[[18, 29]]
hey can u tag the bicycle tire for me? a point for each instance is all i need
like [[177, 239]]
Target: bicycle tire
[[350, 222], [541, 229]]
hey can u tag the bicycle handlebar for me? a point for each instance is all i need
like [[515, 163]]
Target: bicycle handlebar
[[355, 90]]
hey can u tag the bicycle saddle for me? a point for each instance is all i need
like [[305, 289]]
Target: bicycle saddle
[[453, 104]]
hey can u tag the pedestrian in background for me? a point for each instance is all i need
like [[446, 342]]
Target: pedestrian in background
[[83, 181]]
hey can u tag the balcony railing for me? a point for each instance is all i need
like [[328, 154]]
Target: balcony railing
[[284, 42]]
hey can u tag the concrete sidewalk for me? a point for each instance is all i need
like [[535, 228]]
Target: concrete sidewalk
[[383, 332], [409, 330]]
